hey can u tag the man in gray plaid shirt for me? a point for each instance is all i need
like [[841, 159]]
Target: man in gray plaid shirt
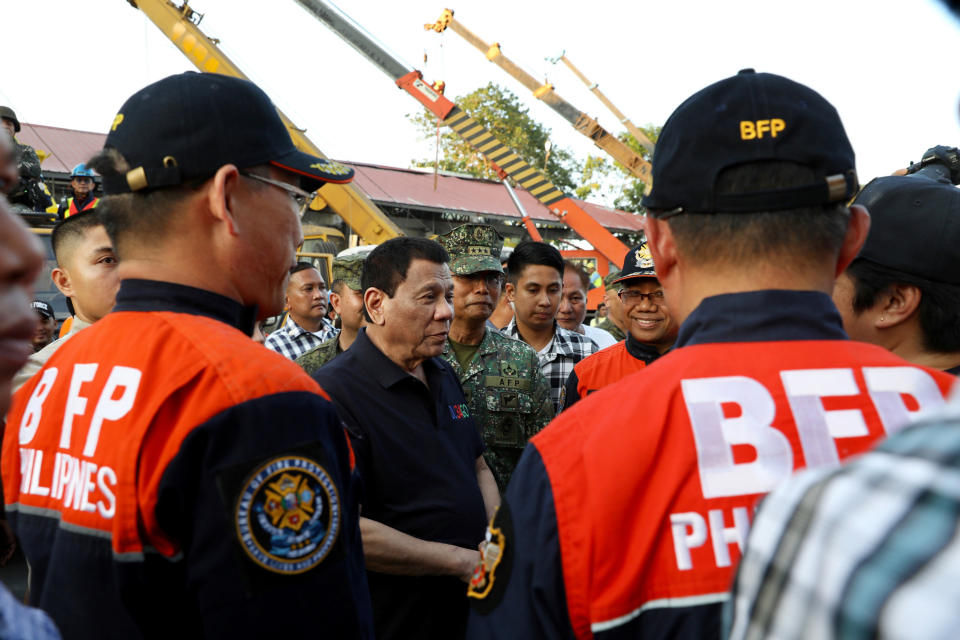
[[307, 326], [534, 287]]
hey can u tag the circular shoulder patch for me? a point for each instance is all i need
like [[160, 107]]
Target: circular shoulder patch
[[288, 515]]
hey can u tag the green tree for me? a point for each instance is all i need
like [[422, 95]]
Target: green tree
[[504, 116], [606, 179]]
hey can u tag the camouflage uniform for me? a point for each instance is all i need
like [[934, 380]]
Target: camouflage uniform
[[349, 271], [30, 192], [312, 360], [507, 394], [508, 398], [607, 324]]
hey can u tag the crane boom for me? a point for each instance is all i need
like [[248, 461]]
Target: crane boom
[[613, 146], [411, 80], [351, 204], [634, 130]]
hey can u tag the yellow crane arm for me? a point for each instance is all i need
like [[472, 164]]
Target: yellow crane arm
[[179, 24], [640, 136], [613, 146]]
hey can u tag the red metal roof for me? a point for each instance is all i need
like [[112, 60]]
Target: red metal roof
[[415, 188], [67, 147], [401, 187]]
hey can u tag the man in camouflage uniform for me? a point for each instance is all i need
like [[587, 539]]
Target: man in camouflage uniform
[[615, 314], [346, 298], [507, 394], [30, 192]]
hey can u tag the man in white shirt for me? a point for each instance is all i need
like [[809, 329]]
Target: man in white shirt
[[307, 325], [573, 305]]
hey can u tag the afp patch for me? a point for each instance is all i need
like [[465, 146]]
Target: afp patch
[[288, 515], [488, 582]]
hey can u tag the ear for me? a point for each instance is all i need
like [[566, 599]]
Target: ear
[[510, 290], [663, 247], [899, 305], [374, 300], [62, 281], [335, 301], [222, 197], [853, 240]]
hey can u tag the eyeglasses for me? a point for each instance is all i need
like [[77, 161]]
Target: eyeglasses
[[629, 296], [301, 197]]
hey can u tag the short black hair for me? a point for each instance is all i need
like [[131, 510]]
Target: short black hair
[[529, 252], [70, 229], [801, 236], [138, 216], [576, 268], [301, 266], [939, 308], [387, 265]]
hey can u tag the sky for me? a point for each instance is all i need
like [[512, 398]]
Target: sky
[[883, 63]]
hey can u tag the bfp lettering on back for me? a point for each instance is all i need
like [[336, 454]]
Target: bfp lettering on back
[[750, 130]]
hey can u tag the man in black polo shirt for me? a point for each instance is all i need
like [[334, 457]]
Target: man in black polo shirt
[[427, 491]]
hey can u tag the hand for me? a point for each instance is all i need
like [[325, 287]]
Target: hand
[[468, 559]]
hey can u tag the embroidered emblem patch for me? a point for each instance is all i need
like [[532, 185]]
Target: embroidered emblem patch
[[484, 574], [288, 515], [643, 257]]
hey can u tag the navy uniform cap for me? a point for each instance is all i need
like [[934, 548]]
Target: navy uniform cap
[[750, 117], [187, 126], [914, 226], [637, 264]]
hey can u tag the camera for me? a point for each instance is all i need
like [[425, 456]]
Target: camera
[[938, 163]]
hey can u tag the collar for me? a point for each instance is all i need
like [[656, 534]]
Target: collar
[[153, 295], [641, 350], [770, 315], [560, 343], [293, 329], [384, 370], [486, 346]]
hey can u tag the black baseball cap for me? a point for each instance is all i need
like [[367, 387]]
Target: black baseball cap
[[750, 117], [637, 264], [43, 308], [187, 126], [914, 226]]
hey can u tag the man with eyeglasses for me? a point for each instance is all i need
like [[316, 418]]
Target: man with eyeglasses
[[161, 461], [651, 331], [506, 393], [82, 185]]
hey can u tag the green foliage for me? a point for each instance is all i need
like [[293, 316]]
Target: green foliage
[[504, 116], [605, 179]]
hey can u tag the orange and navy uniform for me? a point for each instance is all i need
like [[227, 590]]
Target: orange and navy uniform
[[72, 207], [628, 523], [606, 367], [169, 477]]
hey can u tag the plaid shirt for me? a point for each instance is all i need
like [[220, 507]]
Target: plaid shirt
[[292, 340], [556, 361], [869, 550]]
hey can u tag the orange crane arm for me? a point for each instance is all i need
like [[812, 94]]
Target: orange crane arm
[[411, 80], [613, 146], [179, 24]]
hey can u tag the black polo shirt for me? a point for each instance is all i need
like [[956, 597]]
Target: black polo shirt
[[416, 450]]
